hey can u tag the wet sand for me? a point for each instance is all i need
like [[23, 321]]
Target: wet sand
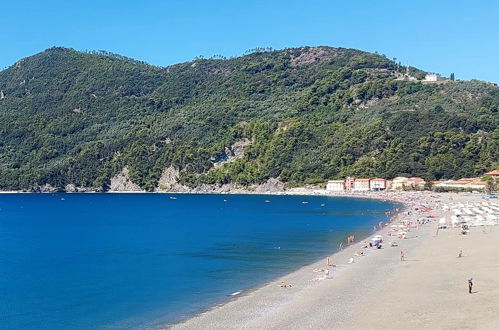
[[426, 290]]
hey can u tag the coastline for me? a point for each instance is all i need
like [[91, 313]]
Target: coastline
[[337, 301], [376, 284], [390, 196]]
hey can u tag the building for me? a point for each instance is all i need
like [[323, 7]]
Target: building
[[361, 185], [461, 184], [353, 184], [399, 183], [335, 185], [470, 183], [416, 183], [493, 174], [349, 183], [377, 184], [431, 77]]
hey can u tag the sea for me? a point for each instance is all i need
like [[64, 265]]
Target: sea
[[146, 261]]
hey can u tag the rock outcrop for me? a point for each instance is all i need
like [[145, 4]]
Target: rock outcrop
[[168, 182], [122, 182], [235, 151]]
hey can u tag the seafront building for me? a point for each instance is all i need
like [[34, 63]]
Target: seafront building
[[361, 185], [493, 174], [357, 184], [335, 185], [378, 184], [464, 183], [349, 183], [404, 183], [399, 183]]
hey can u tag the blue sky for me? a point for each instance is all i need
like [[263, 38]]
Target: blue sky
[[437, 36]]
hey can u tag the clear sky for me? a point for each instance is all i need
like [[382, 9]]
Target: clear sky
[[434, 35]]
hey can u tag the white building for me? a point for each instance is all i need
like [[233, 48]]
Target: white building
[[335, 185], [377, 184], [431, 77]]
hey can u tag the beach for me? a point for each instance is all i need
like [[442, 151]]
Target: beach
[[428, 289]]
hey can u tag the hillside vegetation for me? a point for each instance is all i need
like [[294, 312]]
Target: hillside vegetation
[[301, 115]]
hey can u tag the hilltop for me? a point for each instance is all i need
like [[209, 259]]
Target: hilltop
[[301, 115]]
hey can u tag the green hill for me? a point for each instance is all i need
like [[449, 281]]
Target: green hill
[[302, 115]]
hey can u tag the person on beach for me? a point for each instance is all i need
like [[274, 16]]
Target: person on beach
[[470, 285], [402, 256], [460, 254], [341, 245]]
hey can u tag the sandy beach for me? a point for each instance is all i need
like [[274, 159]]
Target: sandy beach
[[428, 289]]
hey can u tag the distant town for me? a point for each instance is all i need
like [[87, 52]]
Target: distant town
[[414, 183]]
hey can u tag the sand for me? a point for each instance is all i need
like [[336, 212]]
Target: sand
[[427, 290]]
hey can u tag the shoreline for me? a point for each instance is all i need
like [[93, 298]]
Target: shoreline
[[269, 306], [240, 294], [334, 302], [388, 196]]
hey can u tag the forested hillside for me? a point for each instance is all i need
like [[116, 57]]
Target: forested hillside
[[301, 115]]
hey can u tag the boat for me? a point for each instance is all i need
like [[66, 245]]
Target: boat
[[173, 197]]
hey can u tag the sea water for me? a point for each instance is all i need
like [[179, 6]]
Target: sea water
[[127, 261]]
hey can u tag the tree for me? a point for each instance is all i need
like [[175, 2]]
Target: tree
[[491, 184]]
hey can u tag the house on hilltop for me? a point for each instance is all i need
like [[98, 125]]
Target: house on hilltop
[[431, 77]]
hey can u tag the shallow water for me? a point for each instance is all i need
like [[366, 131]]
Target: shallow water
[[122, 261]]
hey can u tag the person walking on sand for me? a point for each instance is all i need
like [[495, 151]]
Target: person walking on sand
[[402, 255], [460, 254], [470, 285]]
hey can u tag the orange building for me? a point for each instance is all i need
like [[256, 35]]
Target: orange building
[[493, 174]]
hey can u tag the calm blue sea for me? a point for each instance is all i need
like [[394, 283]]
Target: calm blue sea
[[127, 261]]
